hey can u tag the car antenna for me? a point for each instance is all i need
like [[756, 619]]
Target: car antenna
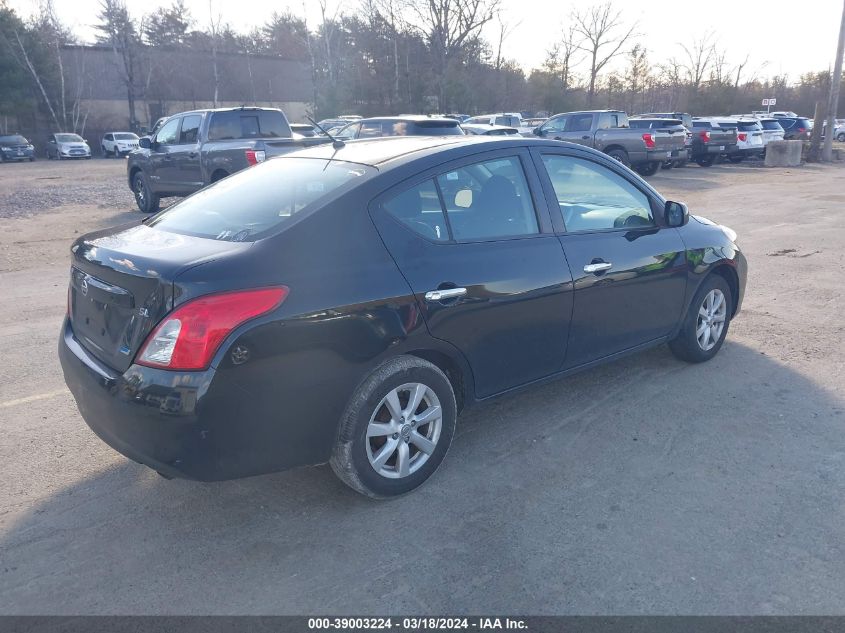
[[336, 142]]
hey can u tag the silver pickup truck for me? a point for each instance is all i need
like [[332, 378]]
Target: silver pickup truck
[[193, 149], [608, 131]]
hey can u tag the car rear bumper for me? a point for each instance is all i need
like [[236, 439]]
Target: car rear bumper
[[192, 424], [658, 156]]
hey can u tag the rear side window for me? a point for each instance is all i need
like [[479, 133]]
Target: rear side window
[[594, 198], [418, 208], [488, 200], [259, 201], [237, 124]]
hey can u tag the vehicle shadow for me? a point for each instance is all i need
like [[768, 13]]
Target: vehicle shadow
[[644, 486]]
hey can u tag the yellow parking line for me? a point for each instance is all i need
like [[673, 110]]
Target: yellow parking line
[[40, 396]]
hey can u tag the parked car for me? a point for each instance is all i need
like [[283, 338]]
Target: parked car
[[609, 132], [14, 147], [674, 126], [404, 125], [507, 119], [65, 145], [344, 304], [460, 117], [795, 128], [709, 141], [772, 131], [749, 138], [193, 149], [118, 143], [303, 130], [489, 130], [684, 117]]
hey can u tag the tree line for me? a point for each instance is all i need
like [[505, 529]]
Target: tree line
[[399, 56]]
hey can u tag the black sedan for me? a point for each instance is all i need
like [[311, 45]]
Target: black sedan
[[343, 304], [14, 147]]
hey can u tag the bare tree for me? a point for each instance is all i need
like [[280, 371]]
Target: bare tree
[[214, 32], [604, 35], [503, 31], [119, 30], [699, 58], [449, 25]]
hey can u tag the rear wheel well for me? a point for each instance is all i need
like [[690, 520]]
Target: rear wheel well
[[610, 148], [449, 367], [219, 174], [728, 273]]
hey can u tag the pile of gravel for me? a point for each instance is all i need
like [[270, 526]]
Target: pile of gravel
[[45, 197]]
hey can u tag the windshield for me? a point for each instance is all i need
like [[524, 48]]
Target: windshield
[[260, 200], [69, 138], [125, 136], [14, 139]]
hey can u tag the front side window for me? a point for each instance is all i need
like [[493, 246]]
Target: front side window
[[418, 208], [554, 125], [591, 197], [190, 129], [169, 133], [488, 200]]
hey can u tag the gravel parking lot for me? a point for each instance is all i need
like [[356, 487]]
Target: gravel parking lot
[[644, 486]]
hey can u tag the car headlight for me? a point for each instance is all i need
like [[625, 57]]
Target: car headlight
[[5, 149]]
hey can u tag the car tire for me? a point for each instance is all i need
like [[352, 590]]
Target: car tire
[[706, 161], [381, 449], [147, 201], [736, 159], [841, 137], [648, 169], [698, 340], [681, 163], [620, 155]]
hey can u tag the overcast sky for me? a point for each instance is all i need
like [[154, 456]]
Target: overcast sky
[[777, 39]]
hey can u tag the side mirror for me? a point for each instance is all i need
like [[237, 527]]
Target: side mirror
[[537, 131], [676, 214], [145, 142]]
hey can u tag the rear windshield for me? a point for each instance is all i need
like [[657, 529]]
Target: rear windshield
[[742, 126], [771, 125], [125, 136], [14, 139], [436, 128], [237, 124], [260, 200], [705, 124]]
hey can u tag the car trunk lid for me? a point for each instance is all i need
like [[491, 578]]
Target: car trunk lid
[[122, 285]]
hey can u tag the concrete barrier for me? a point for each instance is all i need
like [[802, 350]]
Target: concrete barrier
[[783, 153]]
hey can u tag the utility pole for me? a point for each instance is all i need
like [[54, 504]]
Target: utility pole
[[835, 80]]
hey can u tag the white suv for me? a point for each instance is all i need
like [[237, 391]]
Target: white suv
[[118, 143], [749, 138], [507, 119]]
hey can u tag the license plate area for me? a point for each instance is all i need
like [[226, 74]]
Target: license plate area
[[100, 312]]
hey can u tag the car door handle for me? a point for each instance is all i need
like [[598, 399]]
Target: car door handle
[[597, 267], [193, 155], [446, 293], [586, 138], [557, 138]]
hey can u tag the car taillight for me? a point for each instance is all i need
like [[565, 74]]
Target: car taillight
[[742, 136], [705, 135], [648, 138], [255, 156], [188, 337], [801, 130]]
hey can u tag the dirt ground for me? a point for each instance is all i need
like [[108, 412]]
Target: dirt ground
[[644, 486]]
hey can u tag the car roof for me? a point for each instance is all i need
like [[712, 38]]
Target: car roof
[[407, 117], [388, 149]]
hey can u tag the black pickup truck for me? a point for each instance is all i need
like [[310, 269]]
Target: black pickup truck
[[193, 149]]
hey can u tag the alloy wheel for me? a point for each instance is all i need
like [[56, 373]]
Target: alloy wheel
[[711, 319], [403, 431]]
